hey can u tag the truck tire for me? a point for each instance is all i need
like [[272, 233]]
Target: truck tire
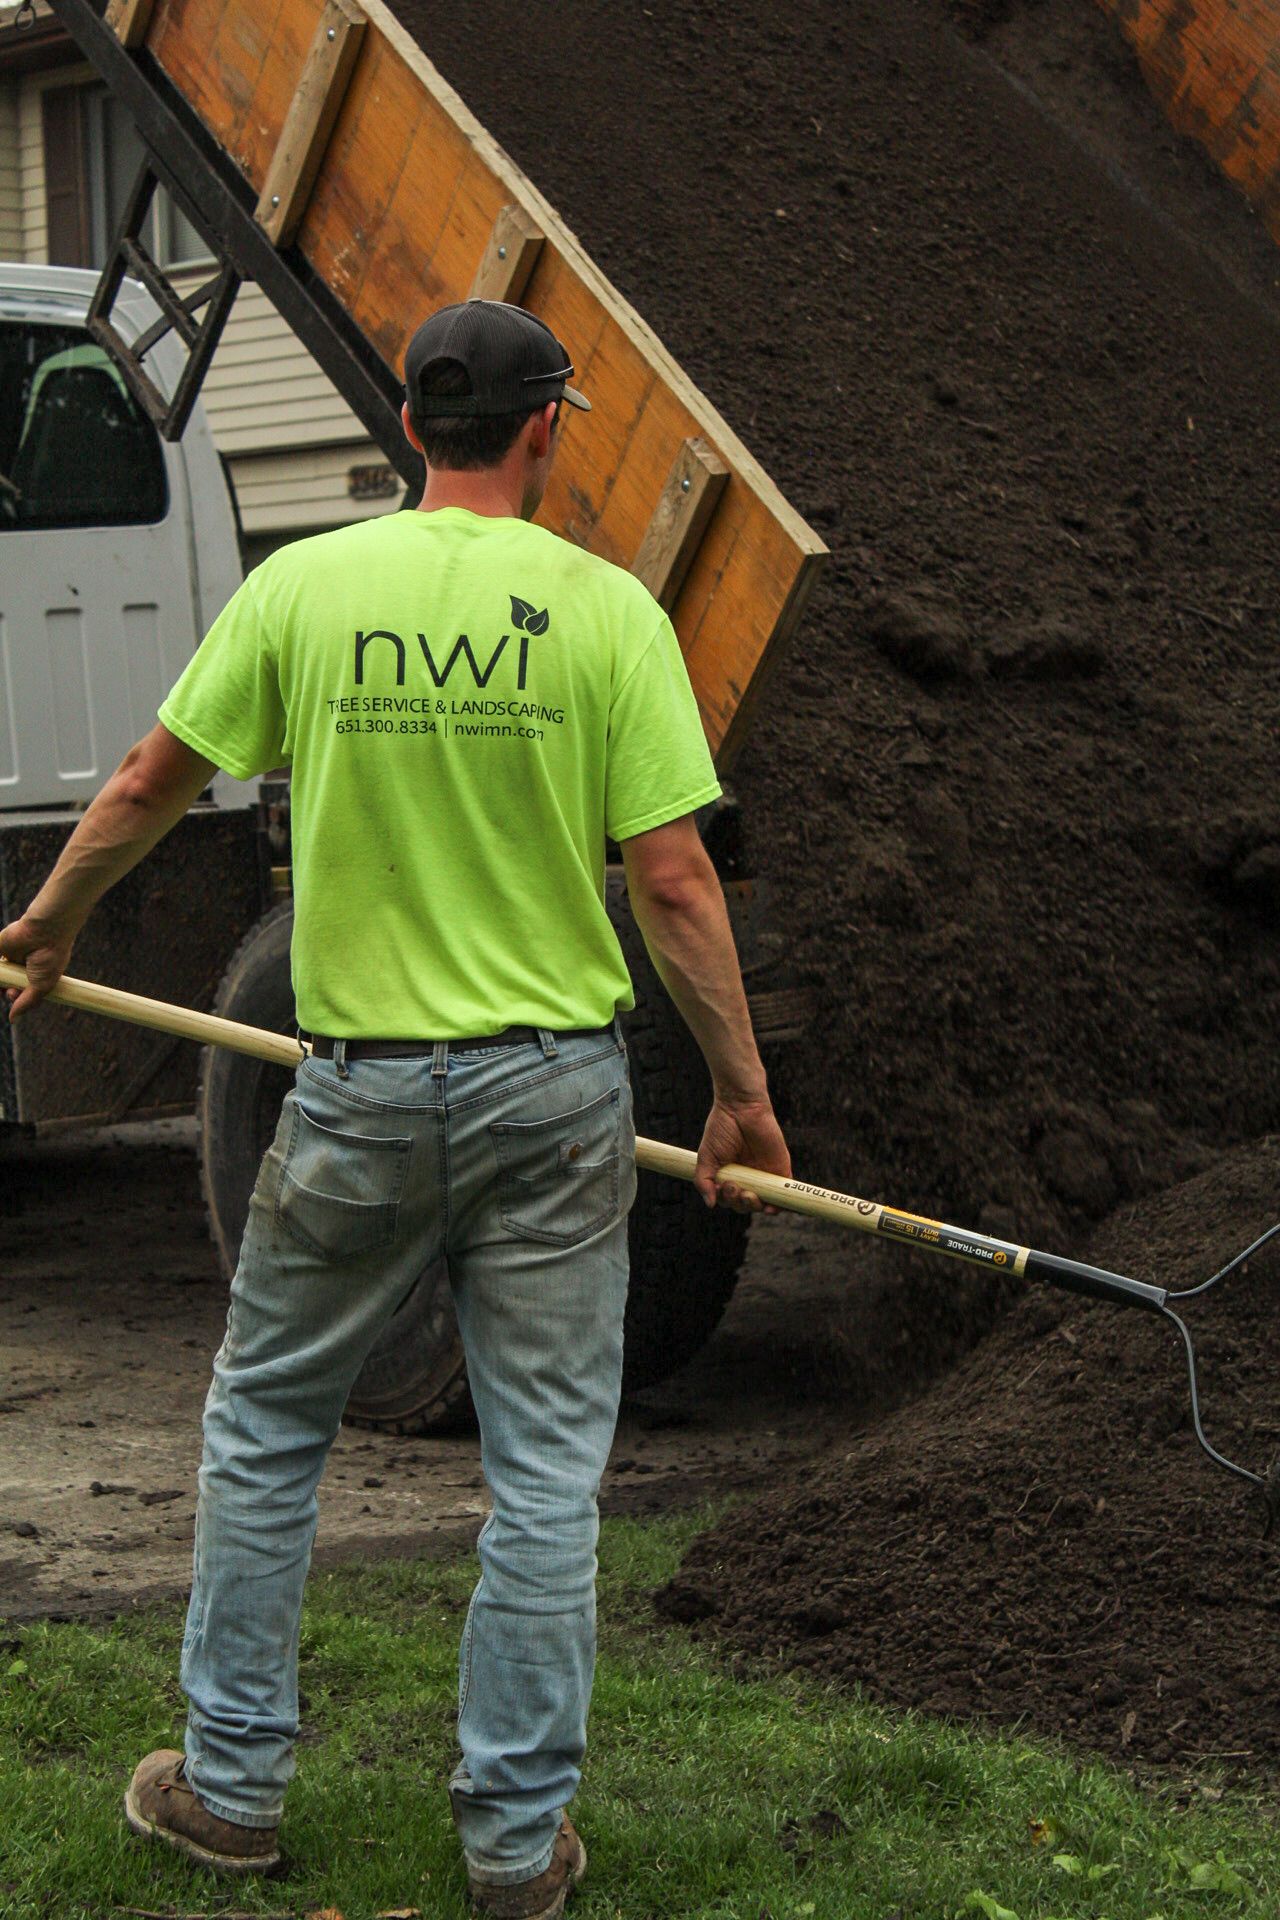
[[415, 1380], [239, 1098], [684, 1256]]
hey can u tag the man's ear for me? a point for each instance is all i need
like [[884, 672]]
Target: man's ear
[[407, 424], [541, 425]]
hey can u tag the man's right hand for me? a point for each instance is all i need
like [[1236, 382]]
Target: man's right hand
[[746, 1134], [29, 943]]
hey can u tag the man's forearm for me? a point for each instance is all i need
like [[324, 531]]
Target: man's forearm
[[148, 793], [122, 824], [690, 942]]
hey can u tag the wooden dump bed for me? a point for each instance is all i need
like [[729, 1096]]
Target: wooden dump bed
[[1214, 66], [367, 169]]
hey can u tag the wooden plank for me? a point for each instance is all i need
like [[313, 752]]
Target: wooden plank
[[409, 194], [509, 258], [330, 62], [736, 723], [376, 218], [685, 506], [129, 20], [597, 449], [216, 52]]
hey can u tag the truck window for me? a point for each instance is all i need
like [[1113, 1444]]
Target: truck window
[[76, 450]]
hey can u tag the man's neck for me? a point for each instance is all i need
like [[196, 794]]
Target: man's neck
[[494, 492]]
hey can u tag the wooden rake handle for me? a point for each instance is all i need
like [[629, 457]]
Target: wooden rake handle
[[209, 1030], [796, 1196], [205, 1028]]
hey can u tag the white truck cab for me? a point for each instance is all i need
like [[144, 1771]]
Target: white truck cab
[[117, 549]]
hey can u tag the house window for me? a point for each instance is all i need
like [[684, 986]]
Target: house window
[[92, 155]]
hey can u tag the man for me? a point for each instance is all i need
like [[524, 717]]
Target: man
[[470, 705]]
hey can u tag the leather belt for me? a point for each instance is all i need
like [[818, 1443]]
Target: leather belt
[[322, 1045]]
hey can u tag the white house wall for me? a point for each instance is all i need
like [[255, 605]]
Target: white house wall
[[264, 391], [290, 437], [276, 495]]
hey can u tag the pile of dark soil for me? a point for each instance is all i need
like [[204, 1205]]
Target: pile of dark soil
[[1012, 348], [1014, 785], [1039, 1539]]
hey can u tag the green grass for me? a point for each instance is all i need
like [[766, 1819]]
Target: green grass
[[706, 1794]]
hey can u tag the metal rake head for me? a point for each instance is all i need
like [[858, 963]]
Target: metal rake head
[[1268, 1483]]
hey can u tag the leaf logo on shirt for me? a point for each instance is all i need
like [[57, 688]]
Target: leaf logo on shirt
[[526, 616]]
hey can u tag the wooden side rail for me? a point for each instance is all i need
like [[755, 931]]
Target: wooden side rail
[[694, 485], [309, 121], [509, 258], [129, 20], [384, 197]]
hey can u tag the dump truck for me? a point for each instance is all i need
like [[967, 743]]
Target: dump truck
[[319, 154]]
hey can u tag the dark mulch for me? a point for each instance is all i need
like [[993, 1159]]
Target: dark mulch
[[1039, 1539], [1014, 787]]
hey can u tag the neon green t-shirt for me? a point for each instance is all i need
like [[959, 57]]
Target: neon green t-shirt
[[469, 705]]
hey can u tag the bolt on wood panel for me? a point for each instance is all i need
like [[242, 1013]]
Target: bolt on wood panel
[[407, 195], [679, 523], [310, 118], [509, 258]]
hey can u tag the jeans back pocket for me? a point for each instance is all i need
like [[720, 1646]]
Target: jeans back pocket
[[558, 1177], [339, 1193]]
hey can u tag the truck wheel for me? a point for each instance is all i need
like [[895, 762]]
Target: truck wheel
[[685, 1256], [415, 1379], [239, 1099]]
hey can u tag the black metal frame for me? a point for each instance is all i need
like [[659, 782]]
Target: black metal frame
[[177, 314], [220, 202]]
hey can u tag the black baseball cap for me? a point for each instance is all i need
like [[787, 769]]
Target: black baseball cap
[[514, 361]]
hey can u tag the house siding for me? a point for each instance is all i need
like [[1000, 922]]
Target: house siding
[[280, 492], [264, 392], [288, 435]]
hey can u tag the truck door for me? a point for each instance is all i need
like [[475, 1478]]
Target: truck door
[[96, 569]]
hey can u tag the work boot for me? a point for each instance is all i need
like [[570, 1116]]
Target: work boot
[[543, 1897], [161, 1804]]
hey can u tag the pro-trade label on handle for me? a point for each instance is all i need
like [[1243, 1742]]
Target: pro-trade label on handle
[[864, 1209], [935, 1235]]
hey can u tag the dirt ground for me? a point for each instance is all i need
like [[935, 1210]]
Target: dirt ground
[[111, 1309], [1038, 1540], [1011, 347]]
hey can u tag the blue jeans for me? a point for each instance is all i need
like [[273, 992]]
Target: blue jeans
[[517, 1165]]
